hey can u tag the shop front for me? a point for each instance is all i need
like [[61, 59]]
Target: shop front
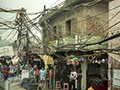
[[114, 72], [97, 73]]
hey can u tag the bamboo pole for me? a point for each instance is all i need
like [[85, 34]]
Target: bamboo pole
[[54, 78], [45, 77], [50, 85]]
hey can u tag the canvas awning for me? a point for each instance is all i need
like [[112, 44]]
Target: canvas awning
[[47, 59], [115, 56]]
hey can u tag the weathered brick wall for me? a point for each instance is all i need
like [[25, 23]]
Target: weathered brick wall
[[80, 25], [115, 30], [116, 65]]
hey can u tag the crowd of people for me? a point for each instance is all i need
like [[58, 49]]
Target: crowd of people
[[10, 71]]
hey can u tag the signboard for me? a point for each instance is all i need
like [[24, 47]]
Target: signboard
[[6, 51], [81, 39], [36, 59], [52, 43], [25, 74], [14, 61], [116, 78], [66, 40], [35, 50], [47, 59], [115, 56]]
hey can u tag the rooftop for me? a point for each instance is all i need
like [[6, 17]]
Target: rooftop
[[67, 5]]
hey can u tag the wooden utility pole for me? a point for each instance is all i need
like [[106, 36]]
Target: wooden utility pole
[[27, 48], [44, 9], [54, 78], [27, 36], [50, 81], [44, 53], [19, 40], [44, 46]]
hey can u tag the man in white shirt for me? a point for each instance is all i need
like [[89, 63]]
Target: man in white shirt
[[12, 72], [73, 76]]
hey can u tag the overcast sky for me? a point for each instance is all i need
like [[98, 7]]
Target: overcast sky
[[29, 5]]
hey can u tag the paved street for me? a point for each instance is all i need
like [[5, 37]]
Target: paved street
[[6, 85], [16, 86]]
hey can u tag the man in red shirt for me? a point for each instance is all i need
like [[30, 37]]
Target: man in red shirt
[[6, 72]]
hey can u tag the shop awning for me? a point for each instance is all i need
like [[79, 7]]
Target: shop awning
[[47, 59], [115, 56]]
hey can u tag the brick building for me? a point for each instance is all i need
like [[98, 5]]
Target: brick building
[[114, 59], [76, 18]]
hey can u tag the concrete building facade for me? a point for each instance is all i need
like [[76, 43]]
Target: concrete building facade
[[114, 59], [82, 20], [76, 17]]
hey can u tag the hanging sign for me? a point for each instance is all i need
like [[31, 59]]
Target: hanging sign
[[115, 56], [116, 78], [47, 59], [25, 74], [14, 61], [6, 51]]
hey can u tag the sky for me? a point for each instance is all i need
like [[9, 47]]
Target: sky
[[31, 6]]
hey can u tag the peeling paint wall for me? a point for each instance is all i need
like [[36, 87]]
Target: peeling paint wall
[[81, 20], [114, 42], [84, 20], [84, 74]]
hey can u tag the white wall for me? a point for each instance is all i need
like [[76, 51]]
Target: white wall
[[6, 51], [84, 74]]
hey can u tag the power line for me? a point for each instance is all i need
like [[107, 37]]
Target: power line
[[54, 3], [97, 30], [36, 27], [102, 26], [10, 11], [9, 34], [114, 36], [15, 34]]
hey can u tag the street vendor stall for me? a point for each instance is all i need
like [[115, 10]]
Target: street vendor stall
[[97, 74]]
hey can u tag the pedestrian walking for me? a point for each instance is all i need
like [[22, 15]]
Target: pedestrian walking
[[12, 72], [79, 76], [42, 75], [52, 77], [37, 74], [73, 76], [6, 72], [21, 67]]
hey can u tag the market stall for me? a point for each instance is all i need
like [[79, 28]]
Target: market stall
[[97, 73]]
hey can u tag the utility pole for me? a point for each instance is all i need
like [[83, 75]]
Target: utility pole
[[27, 48], [54, 78], [44, 12], [45, 53], [27, 43], [18, 38], [50, 84], [44, 9]]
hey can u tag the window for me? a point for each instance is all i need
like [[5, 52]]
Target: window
[[68, 27]]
